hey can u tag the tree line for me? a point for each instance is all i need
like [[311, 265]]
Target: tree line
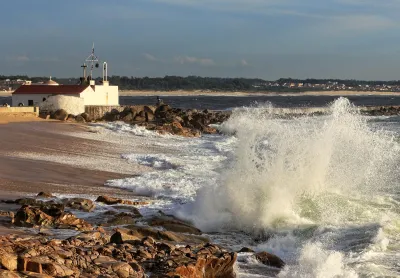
[[190, 83]]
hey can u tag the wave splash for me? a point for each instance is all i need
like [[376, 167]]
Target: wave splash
[[307, 170]]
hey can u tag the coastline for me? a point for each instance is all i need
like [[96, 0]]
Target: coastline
[[246, 94], [70, 211], [125, 93]]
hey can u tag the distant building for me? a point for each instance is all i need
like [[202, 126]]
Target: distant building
[[92, 94]]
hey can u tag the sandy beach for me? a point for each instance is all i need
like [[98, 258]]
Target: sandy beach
[[31, 148]]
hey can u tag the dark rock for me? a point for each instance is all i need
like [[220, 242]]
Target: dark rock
[[149, 109], [246, 250], [116, 238], [60, 115], [79, 204], [53, 209], [139, 118], [149, 116], [28, 216], [111, 117], [86, 117], [270, 259], [45, 195], [29, 201], [175, 225], [128, 117], [71, 117], [113, 201], [162, 108], [80, 119], [121, 219]]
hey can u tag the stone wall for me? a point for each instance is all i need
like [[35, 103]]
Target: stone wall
[[97, 112], [23, 109]]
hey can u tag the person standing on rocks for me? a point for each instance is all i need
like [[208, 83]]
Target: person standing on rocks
[[159, 101]]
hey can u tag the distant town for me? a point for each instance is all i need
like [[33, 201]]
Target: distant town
[[191, 83]]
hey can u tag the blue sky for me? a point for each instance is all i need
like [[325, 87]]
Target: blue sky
[[269, 39]]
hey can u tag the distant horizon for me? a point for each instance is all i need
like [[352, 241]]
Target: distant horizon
[[218, 77]]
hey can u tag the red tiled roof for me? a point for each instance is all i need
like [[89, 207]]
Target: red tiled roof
[[48, 89]]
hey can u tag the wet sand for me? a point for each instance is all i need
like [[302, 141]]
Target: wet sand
[[23, 175]]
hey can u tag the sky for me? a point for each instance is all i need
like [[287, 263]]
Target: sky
[[269, 39]]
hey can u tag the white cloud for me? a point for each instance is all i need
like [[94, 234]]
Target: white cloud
[[195, 60], [353, 25], [150, 57], [19, 58]]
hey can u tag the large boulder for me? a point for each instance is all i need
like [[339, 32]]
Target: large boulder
[[8, 274], [139, 118], [208, 261], [149, 109], [60, 115], [175, 225], [112, 116], [122, 218], [8, 260], [45, 195], [53, 209], [79, 204], [149, 116], [129, 117], [86, 117], [80, 119], [116, 238], [70, 221], [270, 259], [28, 216], [114, 201]]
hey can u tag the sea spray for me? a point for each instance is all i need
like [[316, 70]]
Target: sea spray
[[305, 170]]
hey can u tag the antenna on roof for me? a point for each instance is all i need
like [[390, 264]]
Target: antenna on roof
[[93, 61]]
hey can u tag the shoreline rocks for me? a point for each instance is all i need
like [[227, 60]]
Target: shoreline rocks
[[167, 247]]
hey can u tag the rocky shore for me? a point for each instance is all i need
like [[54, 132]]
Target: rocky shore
[[163, 119], [191, 122], [117, 242]]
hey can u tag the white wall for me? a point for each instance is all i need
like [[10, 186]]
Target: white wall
[[72, 104], [102, 95], [20, 98]]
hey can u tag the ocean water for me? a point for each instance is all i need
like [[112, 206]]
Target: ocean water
[[229, 102], [321, 192]]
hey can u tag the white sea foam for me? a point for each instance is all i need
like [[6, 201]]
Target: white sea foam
[[299, 170], [316, 262]]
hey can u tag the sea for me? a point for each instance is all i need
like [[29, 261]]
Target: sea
[[321, 192]]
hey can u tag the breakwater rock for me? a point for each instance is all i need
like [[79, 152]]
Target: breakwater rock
[[165, 119], [381, 111]]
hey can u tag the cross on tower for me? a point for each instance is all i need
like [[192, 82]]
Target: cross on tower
[[93, 61]]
